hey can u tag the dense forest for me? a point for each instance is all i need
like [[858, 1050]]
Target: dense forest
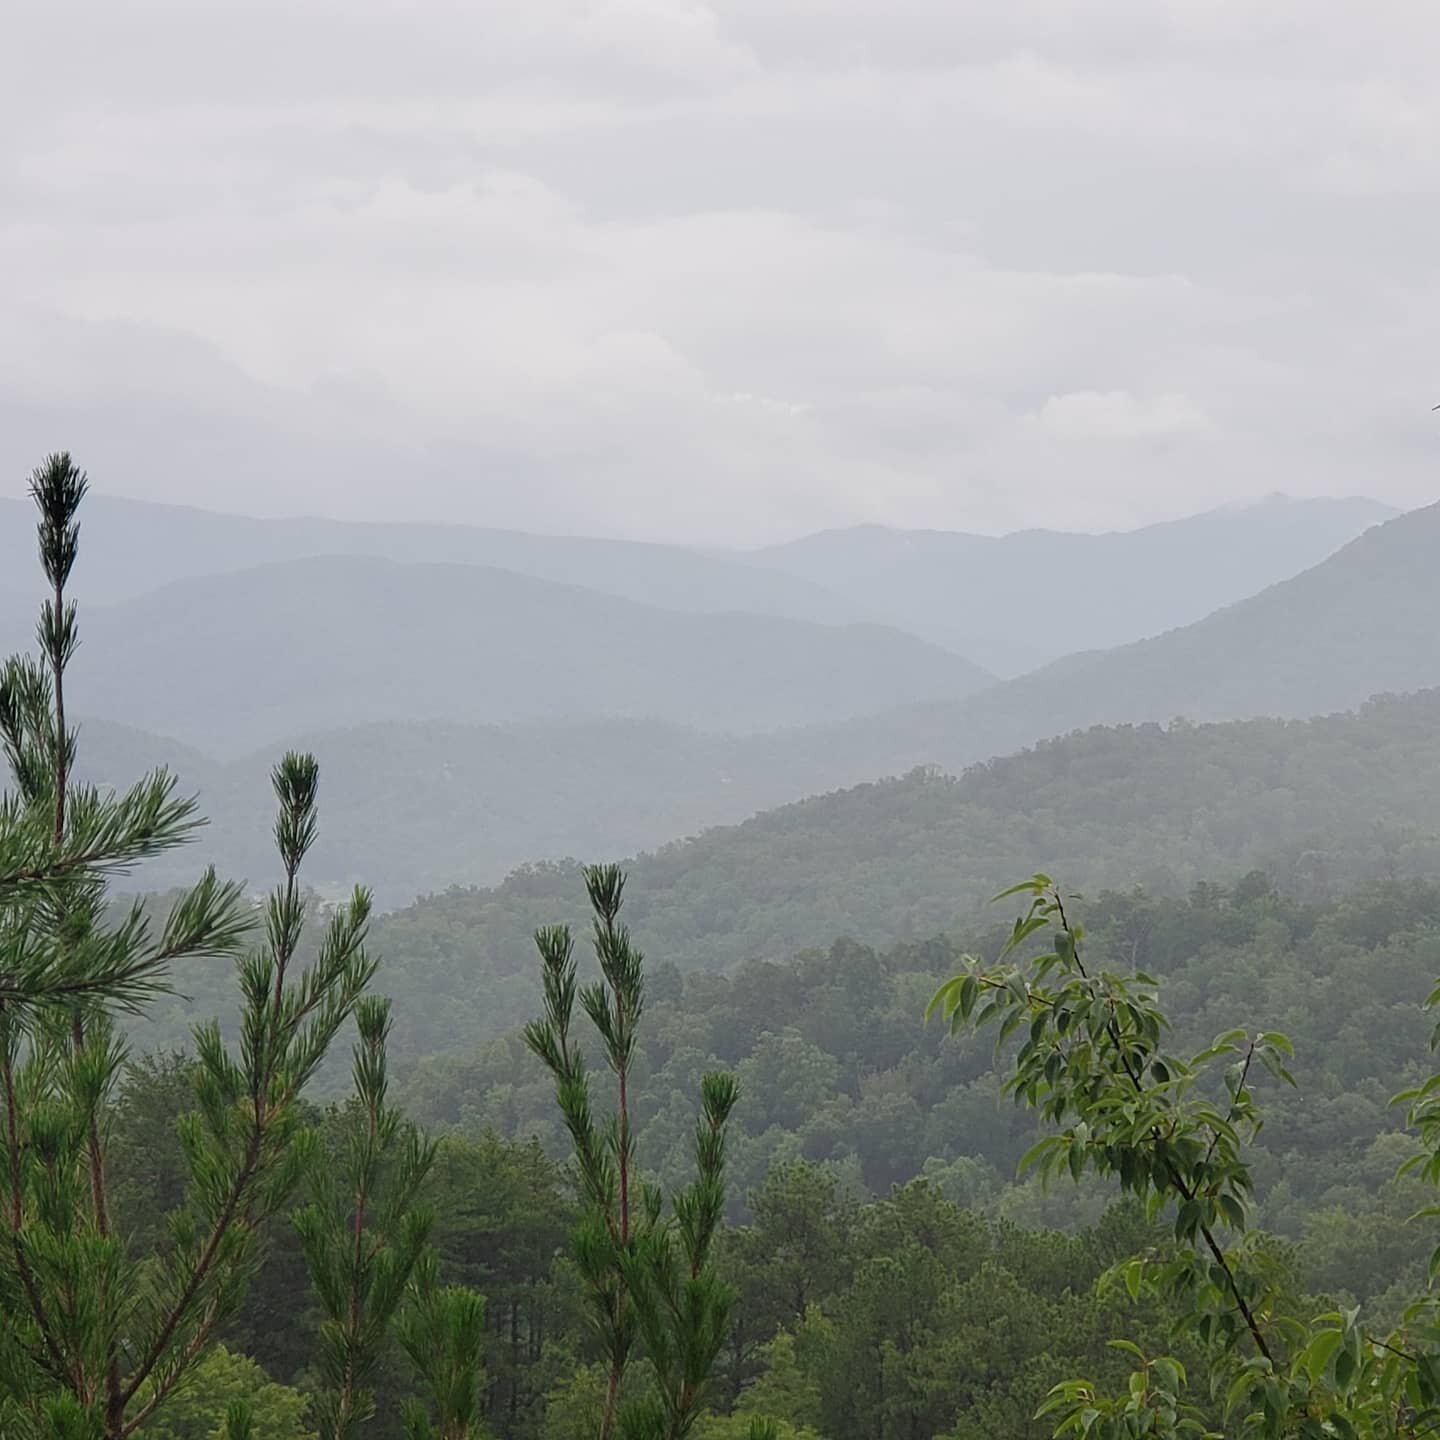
[[877, 1213], [722, 1144]]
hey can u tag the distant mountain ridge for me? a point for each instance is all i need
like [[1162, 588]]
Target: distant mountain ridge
[[465, 804], [231, 662], [133, 546], [1016, 602], [1359, 624], [985, 598], [413, 808]]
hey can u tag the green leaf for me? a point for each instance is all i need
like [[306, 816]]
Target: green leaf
[[1129, 1347], [1025, 887], [1320, 1351], [1036, 1153]]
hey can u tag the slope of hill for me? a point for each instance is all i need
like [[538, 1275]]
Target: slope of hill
[[1357, 625], [1318, 803], [132, 546], [997, 600], [232, 661]]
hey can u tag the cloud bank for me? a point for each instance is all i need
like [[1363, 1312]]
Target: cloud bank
[[722, 272]]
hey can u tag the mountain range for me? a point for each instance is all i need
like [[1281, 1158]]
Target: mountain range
[[232, 661], [1019, 601], [1359, 624], [416, 807], [992, 600]]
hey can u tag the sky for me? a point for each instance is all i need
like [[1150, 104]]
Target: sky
[[723, 273]]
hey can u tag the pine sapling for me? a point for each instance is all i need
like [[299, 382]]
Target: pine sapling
[[442, 1330], [94, 1343], [363, 1232], [648, 1277]]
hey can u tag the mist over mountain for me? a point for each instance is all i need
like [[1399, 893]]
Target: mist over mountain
[[988, 599], [133, 546], [1359, 624], [347, 640], [1019, 601], [421, 805], [409, 808]]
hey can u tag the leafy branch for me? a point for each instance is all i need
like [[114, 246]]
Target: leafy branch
[[1093, 1065]]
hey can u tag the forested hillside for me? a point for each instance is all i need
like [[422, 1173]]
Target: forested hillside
[[837, 1072], [883, 1230], [1320, 804]]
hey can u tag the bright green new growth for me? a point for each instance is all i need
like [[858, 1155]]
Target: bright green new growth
[[95, 1342], [647, 1277], [1092, 1062]]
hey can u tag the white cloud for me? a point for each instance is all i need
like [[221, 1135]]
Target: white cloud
[[722, 271], [1118, 415]]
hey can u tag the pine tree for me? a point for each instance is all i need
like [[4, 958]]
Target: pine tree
[[442, 1330], [60, 841], [363, 1233], [94, 1343], [648, 1277]]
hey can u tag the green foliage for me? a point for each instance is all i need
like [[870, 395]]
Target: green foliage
[[60, 841], [442, 1331], [223, 1387], [749, 1427], [1343, 978], [647, 1278], [1092, 1063]]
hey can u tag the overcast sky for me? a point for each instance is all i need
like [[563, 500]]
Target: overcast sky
[[723, 272]]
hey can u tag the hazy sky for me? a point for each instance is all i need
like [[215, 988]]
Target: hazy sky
[[723, 271]]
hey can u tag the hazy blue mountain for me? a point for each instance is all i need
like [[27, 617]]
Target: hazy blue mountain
[[231, 662], [132, 547], [1018, 601], [421, 806], [1359, 624], [992, 600]]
